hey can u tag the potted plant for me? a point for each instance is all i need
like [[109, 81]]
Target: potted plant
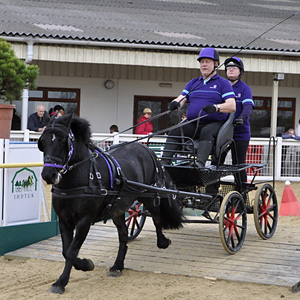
[[15, 75]]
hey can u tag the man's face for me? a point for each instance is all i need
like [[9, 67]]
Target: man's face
[[206, 66], [40, 112]]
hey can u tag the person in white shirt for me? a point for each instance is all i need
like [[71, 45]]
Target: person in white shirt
[[297, 129]]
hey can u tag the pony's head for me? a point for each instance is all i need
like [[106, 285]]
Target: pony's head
[[59, 147]]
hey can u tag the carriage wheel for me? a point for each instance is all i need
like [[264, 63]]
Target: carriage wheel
[[265, 211], [233, 222], [135, 220]]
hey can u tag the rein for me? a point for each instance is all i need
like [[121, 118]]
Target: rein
[[160, 132]]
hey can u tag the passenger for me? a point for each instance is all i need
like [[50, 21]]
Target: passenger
[[209, 95], [234, 69]]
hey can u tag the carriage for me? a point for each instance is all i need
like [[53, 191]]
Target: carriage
[[228, 203], [92, 185]]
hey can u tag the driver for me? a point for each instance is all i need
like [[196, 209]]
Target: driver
[[209, 95]]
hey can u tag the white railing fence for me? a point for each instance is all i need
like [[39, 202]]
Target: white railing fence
[[286, 160]]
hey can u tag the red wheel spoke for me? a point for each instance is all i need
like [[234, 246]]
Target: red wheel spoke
[[134, 223], [233, 225], [264, 212]]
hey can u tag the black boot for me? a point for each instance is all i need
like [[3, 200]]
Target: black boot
[[203, 152]]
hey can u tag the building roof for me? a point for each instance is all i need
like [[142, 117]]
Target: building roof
[[228, 24]]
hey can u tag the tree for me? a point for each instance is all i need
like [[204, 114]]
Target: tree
[[15, 74]]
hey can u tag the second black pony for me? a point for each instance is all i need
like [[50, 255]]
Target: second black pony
[[90, 185]]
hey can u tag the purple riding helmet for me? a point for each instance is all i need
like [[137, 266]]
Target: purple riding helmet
[[209, 53], [234, 62]]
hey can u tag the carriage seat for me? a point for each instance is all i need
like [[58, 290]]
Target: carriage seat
[[223, 141]]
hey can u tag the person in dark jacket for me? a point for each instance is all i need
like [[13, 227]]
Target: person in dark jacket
[[38, 120], [16, 121]]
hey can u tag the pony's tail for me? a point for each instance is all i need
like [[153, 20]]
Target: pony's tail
[[170, 209], [170, 213]]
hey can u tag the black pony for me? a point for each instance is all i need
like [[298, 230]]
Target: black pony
[[90, 185]]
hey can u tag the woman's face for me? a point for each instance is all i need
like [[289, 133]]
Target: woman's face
[[147, 115], [206, 66], [233, 73]]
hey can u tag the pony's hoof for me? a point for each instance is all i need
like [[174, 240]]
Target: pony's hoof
[[114, 273], [89, 265], [57, 289], [85, 265], [165, 244]]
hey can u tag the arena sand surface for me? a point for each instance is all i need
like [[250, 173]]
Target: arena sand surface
[[32, 278]]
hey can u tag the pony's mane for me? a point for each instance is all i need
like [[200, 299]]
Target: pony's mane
[[81, 129]]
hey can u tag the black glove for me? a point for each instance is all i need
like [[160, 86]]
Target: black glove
[[209, 109], [238, 122], [174, 105]]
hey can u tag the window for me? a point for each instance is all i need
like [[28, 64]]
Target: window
[[260, 119], [157, 105], [69, 99]]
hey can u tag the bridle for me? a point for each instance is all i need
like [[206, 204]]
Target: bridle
[[56, 162]]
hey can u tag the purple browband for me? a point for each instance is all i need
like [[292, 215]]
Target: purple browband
[[54, 166]]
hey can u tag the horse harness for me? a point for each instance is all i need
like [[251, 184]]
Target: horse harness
[[118, 181]]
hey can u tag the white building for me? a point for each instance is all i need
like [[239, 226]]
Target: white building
[[107, 60]]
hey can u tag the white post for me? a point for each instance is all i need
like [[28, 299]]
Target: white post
[[24, 110], [277, 158], [26, 135], [273, 127]]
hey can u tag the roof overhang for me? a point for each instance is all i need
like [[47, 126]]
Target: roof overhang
[[82, 51]]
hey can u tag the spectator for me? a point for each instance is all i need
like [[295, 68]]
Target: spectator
[[57, 110], [16, 121], [37, 121], [290, 134], [113, 128], [147, 127], [290, 154], [183, 116], [297, 131]]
